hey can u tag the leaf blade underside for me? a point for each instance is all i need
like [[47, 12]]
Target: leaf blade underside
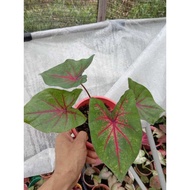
[[67, 74], [148, 109], [116, 135], [51, 111]]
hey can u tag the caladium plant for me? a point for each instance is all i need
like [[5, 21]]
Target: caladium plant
[[115, 134]]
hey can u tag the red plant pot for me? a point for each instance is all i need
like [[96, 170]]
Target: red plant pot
[[100, 186], [47, 175], [111, 104], [25, 187], [77, 186], [26, 180], [144, 172]]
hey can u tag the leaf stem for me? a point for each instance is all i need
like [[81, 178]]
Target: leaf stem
[[86, 90]]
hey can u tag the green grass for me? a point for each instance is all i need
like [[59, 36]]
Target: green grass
[[48, 14], [148, 9], [56, 14]]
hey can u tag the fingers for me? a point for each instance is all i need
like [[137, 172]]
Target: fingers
[[92, 157], [90, 160], [80, 141], [82, 136], [92, 154], [66, 137]]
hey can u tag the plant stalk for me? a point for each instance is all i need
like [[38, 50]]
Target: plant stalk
[[86, 90]]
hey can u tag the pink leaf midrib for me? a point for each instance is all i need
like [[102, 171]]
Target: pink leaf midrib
[[71, 77], [113, 124], [68, 77], [141, 106]]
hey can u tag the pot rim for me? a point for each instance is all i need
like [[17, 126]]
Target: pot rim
[[103, 98], [101, 185], [83, 176]]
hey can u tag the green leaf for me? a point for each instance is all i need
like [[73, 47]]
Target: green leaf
[[67, 74], [148, 109], [140, 158], [116, 135], [51, 111]]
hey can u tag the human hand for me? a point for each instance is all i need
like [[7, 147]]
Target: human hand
[[70, 157]]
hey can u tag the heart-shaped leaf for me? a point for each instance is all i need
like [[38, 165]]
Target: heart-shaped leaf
[[51, 111], [116, 135], [67, 74], [148, 109]]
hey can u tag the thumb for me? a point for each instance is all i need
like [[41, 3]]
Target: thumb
[[82, 136]]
